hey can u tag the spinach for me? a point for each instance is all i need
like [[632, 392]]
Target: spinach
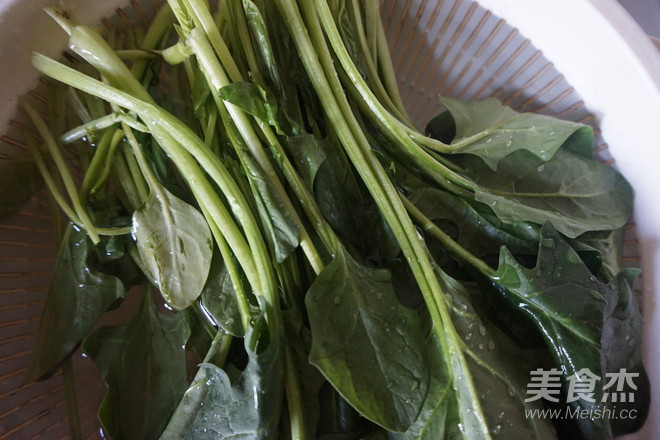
[[496, 369], [326, 267], [143, 362], [576, 193], [214, 406], [491, 131], [575, 313], [79, 294], [369, 347], [174, 242]]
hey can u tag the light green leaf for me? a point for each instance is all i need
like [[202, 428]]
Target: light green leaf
[[492, 131], [175, 244], [215, 408]]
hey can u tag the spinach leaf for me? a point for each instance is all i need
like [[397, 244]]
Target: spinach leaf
[[498, 371], [214, 407], [350, 209], [261, 41], [621, 350], [143, 363], [492, 131], [474, 225], [254, 100], [571, 309], [219, 298], [281, 228], [366, 343], [175, 244], [79, 294], [20, 179], [308, 155], [577, 194]]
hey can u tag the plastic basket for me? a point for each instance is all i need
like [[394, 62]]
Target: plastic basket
[[446, 47]]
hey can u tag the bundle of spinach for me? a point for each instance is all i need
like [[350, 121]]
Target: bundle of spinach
[[334, 272]]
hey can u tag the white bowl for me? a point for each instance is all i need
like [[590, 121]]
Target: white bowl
[[595, 44]]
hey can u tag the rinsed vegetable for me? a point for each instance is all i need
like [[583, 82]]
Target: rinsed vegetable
[[329, 270]]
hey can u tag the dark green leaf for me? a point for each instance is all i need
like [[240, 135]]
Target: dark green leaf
[[621, 350], [474, 225], [261, 40], [19, 181], [308, 155], [143, 363], [576, 193], [254, 100], [280, 226], [366, 343], [492, 131], [175, 244], [79, 294], [213, 407], [571, 309], [219, 298], [497, 369], [350, 210]]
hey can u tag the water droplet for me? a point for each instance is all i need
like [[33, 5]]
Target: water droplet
[[489, 140], [380, 295], [482, 330], [468, 336], [500, 415], [491, 345], [509, 143], [540, 168], [511, 391], [481, 346], [337, 300], [464, 308], [496, 429], [539, 273]]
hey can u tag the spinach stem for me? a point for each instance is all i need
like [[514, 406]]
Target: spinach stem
[[452, 246], [318, 63], [218, 79], [65, 174]]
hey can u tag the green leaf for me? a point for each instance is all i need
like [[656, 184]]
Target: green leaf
[[622, 332], [308, 155], [366, 343], [219, 298], [19, 181], [261, 39], [213, 407], [254, 100], [79, 294], [576, 193], [474, 225], [497, 369], [583, 321], [280, 226], [143, 362], [175, 244], [492, 131], [350, 209]]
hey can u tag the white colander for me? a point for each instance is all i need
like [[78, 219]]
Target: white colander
[[584, 60]]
